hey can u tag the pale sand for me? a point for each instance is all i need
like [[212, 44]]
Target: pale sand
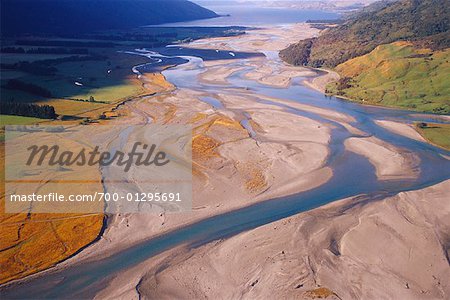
[[269, 39], [276, 74], [401, 129], [243, 102], [280, 150], [390, 162], [217, 72], [227, 269], [288, 156], [395, 248]]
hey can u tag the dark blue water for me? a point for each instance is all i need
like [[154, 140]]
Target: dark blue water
[[352, 175], [256, 16]]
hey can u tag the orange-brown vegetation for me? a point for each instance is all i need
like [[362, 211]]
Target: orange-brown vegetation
[[203, 147], [319, 293], [256, 182], [33, 242], [198, 117]]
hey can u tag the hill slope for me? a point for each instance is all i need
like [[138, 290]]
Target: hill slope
[[78, 16], [397, 74], [426, 21]]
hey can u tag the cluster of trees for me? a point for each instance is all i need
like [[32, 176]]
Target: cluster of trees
[[91, 99], [28, 110], [233, 32], [45, 50], [342, 84], [445, 109], [16, 84], [298, 54]]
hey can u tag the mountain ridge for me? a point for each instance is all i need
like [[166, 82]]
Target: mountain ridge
[[81, 16]]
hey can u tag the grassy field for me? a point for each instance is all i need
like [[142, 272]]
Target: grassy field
[[18, 120], [15, 120], [398, 75], [108, 81], [437, 134]]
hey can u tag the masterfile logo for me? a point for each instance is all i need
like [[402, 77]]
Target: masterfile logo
[[91, 169]]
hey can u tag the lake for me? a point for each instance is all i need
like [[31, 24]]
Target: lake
[[254, 16]]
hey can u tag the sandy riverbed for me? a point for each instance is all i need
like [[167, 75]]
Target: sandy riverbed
[[390, 162], [387, 249], [402, 129], [279, 153], [286, 156]]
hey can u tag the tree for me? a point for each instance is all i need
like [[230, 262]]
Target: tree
[[28, 110]]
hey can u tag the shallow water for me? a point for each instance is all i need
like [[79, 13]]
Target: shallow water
[[352, 175], [215, 103]]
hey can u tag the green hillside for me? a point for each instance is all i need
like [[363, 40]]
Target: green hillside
[[399, 75]]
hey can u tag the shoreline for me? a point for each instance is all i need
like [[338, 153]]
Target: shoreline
[[332, 76], [321, 88]]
